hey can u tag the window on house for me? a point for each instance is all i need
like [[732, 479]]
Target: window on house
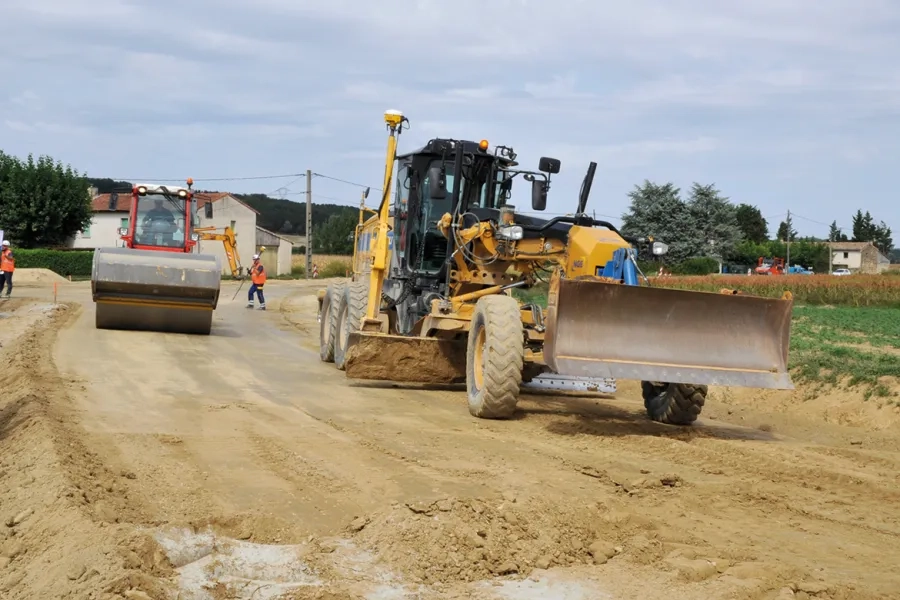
[[86, 232], [123, 223], [846, 255], [233, 223]]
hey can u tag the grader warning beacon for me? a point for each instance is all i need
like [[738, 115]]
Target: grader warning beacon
[[157, 282], [431, 300]]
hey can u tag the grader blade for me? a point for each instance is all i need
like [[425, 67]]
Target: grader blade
[[603, 329], [405, 358]]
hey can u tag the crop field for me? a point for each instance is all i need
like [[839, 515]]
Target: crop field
[[330, 265], [855, 290]]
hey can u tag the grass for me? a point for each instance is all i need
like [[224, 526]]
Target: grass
[[857, 346], [852, 345]]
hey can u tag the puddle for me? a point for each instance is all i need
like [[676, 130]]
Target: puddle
[[205, 562], [209, 567]]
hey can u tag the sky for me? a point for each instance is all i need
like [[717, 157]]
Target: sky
[[784, 105]]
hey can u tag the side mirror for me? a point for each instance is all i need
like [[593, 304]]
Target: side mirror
[[437, 182], [538, 195], [208, 210], [549, 165]]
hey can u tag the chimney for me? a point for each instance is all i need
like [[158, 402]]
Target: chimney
[[94, 191]]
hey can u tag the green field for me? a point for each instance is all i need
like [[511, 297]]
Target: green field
[[859, 345], [832, 345]]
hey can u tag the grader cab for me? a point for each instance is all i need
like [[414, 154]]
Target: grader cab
[[431, 297]]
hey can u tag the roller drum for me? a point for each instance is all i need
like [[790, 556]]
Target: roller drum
[[154, 290]]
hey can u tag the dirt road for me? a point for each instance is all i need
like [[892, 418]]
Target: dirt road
[[136, 465]]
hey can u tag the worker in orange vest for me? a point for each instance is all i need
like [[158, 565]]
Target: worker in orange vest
[[7, 266], [258, 277]]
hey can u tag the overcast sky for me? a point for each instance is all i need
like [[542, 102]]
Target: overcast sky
[[783, 104]]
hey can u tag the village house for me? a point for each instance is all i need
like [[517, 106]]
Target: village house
[[859, 257], [227, 211]]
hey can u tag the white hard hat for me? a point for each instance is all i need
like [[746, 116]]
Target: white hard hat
[[6, 242], [255, 256]]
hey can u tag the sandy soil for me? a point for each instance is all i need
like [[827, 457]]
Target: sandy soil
[[140, 465]]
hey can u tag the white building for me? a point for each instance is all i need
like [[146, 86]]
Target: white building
[[227, 211], [859, 257]]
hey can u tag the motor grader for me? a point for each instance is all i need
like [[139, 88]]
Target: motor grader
[[430, 299]]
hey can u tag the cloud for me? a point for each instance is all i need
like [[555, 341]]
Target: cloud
[[781, 104]]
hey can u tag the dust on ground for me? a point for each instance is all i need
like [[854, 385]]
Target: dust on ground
[[138, 465]]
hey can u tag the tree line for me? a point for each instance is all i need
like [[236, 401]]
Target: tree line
[[43, 203], [705, 227]]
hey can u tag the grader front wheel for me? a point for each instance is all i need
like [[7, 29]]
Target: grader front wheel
[[328, 321], [494, 358], [351, 310], [673, 403]]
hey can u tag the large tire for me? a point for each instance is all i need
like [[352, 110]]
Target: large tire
[[351, 310], [328, 321], [673, 403], [494, 358]]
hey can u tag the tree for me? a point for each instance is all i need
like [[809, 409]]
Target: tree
[[753, 225], [835, 234], [335, 236], [42, 203], [864, 228], [715, 221], [657, 210], [786, 230], [882, 238]]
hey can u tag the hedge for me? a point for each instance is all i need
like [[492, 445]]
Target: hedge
[[76, 263]]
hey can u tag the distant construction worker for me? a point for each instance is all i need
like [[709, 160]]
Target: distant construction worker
[[7, 266], [258, 277]]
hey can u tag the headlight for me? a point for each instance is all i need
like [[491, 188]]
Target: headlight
[[142, 190], [659, 248], [122, 231], [195, 237], [510, 232]]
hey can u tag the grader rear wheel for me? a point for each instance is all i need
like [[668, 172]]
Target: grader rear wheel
[[494, 358], [328, 321], [673, 403], [351, 310]]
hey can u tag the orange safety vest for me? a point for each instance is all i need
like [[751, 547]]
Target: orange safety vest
[[258, 275], [7, 262]]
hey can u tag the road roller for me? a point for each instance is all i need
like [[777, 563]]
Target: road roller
[[157, 281]]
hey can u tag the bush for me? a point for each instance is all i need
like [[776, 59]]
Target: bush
[[696, 266], [76, 263]]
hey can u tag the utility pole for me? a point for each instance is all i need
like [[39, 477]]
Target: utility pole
[[788, 260], [308, 223], [830, 255]]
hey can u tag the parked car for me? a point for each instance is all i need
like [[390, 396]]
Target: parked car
[[841, 272]]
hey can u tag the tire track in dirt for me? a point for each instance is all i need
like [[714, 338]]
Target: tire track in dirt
[[64, 536]]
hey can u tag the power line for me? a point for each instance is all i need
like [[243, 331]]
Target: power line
[[347, 182], [166, 180]]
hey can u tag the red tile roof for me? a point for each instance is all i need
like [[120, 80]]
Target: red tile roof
[[100, 203]]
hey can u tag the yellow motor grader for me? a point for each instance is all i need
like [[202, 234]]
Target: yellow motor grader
[[430, 299]]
